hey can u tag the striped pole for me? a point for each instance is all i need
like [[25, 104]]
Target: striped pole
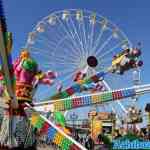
[[6, 59], [7, 68]]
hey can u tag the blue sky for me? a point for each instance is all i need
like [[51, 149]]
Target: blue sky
[[132, 16]]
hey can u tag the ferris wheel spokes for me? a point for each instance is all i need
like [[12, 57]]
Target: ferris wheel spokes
[[84, 34], [76, 33], [111, 50], [97, 41], [104, 44], [90, 36], [69, 35], [79, 35]]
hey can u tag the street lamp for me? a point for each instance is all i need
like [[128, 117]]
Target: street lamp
[[92, 114], [73, 117], [136, 77]]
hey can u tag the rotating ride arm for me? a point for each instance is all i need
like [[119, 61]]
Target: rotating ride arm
[[92, 99]]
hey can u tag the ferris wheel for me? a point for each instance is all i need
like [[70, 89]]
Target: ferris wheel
[[73, 42], [69, 41]]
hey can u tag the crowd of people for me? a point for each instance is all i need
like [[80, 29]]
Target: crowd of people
[[102, 140], [142, 133]]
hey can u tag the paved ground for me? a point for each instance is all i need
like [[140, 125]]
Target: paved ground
[[45, 147]]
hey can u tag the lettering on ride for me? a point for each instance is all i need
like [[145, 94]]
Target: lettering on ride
[[128, 144]]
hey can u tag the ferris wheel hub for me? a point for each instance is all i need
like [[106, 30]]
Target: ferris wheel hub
[[92, 61]]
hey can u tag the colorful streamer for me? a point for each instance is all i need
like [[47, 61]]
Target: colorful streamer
[[77, 87], [53, 133]]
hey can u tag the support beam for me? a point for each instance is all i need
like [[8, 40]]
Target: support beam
[[92, 99]]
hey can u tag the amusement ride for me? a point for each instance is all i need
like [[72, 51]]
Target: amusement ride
[[72, 59]]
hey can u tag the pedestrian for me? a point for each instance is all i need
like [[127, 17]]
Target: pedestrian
[[91, 143]]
